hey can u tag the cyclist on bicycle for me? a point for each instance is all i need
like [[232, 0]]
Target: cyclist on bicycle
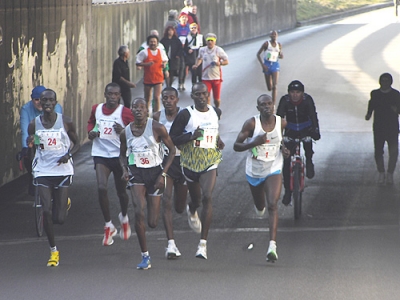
[[262, 136], [299, 110]]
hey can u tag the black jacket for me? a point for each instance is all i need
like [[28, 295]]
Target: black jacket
[[173, 47], [301, 118]]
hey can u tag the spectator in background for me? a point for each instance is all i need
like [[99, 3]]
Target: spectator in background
[[182, 31], [187, 9], [172, 19], [173, 48], [28, 112], [193, 15], [193, 42], [121, 75], [385, 104], [154, 61]]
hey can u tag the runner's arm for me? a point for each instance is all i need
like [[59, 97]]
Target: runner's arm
[[122, 155], [247, 131], [177, 132]]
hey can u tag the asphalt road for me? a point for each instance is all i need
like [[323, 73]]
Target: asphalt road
[[345, 246]]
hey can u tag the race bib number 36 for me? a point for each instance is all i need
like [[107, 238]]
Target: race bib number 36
[[144, 159]]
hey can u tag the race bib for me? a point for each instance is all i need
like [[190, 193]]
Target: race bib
[[107, 130], [50, 140], [208, 140], [266, 152], [144, 159], [273, 56]]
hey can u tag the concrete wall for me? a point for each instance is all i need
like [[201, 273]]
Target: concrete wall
[[70, 46]]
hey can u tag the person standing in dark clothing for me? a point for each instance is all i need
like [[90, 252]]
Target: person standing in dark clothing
[[173, 48], [385, 103], [121, 75]]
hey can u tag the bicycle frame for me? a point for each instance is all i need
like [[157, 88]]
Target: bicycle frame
[[297, 159]]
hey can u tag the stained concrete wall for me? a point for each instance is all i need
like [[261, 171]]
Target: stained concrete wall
[[70, 46]]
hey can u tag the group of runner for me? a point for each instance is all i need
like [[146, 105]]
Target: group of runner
[[142, 152]]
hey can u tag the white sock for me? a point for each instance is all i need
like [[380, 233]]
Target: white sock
[[145, 253], [272, 243], [53, 249], [171, 242], [203, 242], [110, 224], [124, 219]]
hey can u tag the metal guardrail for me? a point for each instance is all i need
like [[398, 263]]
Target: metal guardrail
[[117, 1]]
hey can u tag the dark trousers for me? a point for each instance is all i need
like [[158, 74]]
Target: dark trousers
[[308, 153], [182, 71], [196, 74], [392, 139], [126, 97]]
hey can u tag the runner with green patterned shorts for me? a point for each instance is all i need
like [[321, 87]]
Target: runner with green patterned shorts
[[195, 132]]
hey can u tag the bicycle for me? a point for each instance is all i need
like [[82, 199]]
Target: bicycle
[[297, 172], [38, 213]]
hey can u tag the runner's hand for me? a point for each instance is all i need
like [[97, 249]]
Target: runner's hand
[[260, 139], [93, 134], [117, 127]]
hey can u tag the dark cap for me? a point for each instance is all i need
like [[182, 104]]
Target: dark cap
[[296, 85], [37, 91]]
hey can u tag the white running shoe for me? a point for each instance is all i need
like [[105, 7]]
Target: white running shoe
[[201, 251], [108, 235], [193, 220], [272, 256], [125, 231], [172, 252], [259, 213]]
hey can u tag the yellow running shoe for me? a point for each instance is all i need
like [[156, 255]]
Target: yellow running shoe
[[54, 259]]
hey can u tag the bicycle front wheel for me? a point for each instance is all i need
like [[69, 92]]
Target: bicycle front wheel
[[297, 197], [38, 213]]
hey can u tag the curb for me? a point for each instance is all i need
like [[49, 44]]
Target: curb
[[344, 14]]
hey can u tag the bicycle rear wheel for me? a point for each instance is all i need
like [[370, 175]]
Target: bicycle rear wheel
[[297, 197], [38, 213]]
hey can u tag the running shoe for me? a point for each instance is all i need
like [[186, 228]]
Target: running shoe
[[193, 220], [272, 256], [172, 252], [145, 264], [125, 231], [310, 173], [381, 178], [287, 198], [54, 259], [389, 179], [259, 213], [201, 251], [108, 235]]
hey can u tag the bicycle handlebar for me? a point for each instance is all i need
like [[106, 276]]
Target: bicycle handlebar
[[306, 139]]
